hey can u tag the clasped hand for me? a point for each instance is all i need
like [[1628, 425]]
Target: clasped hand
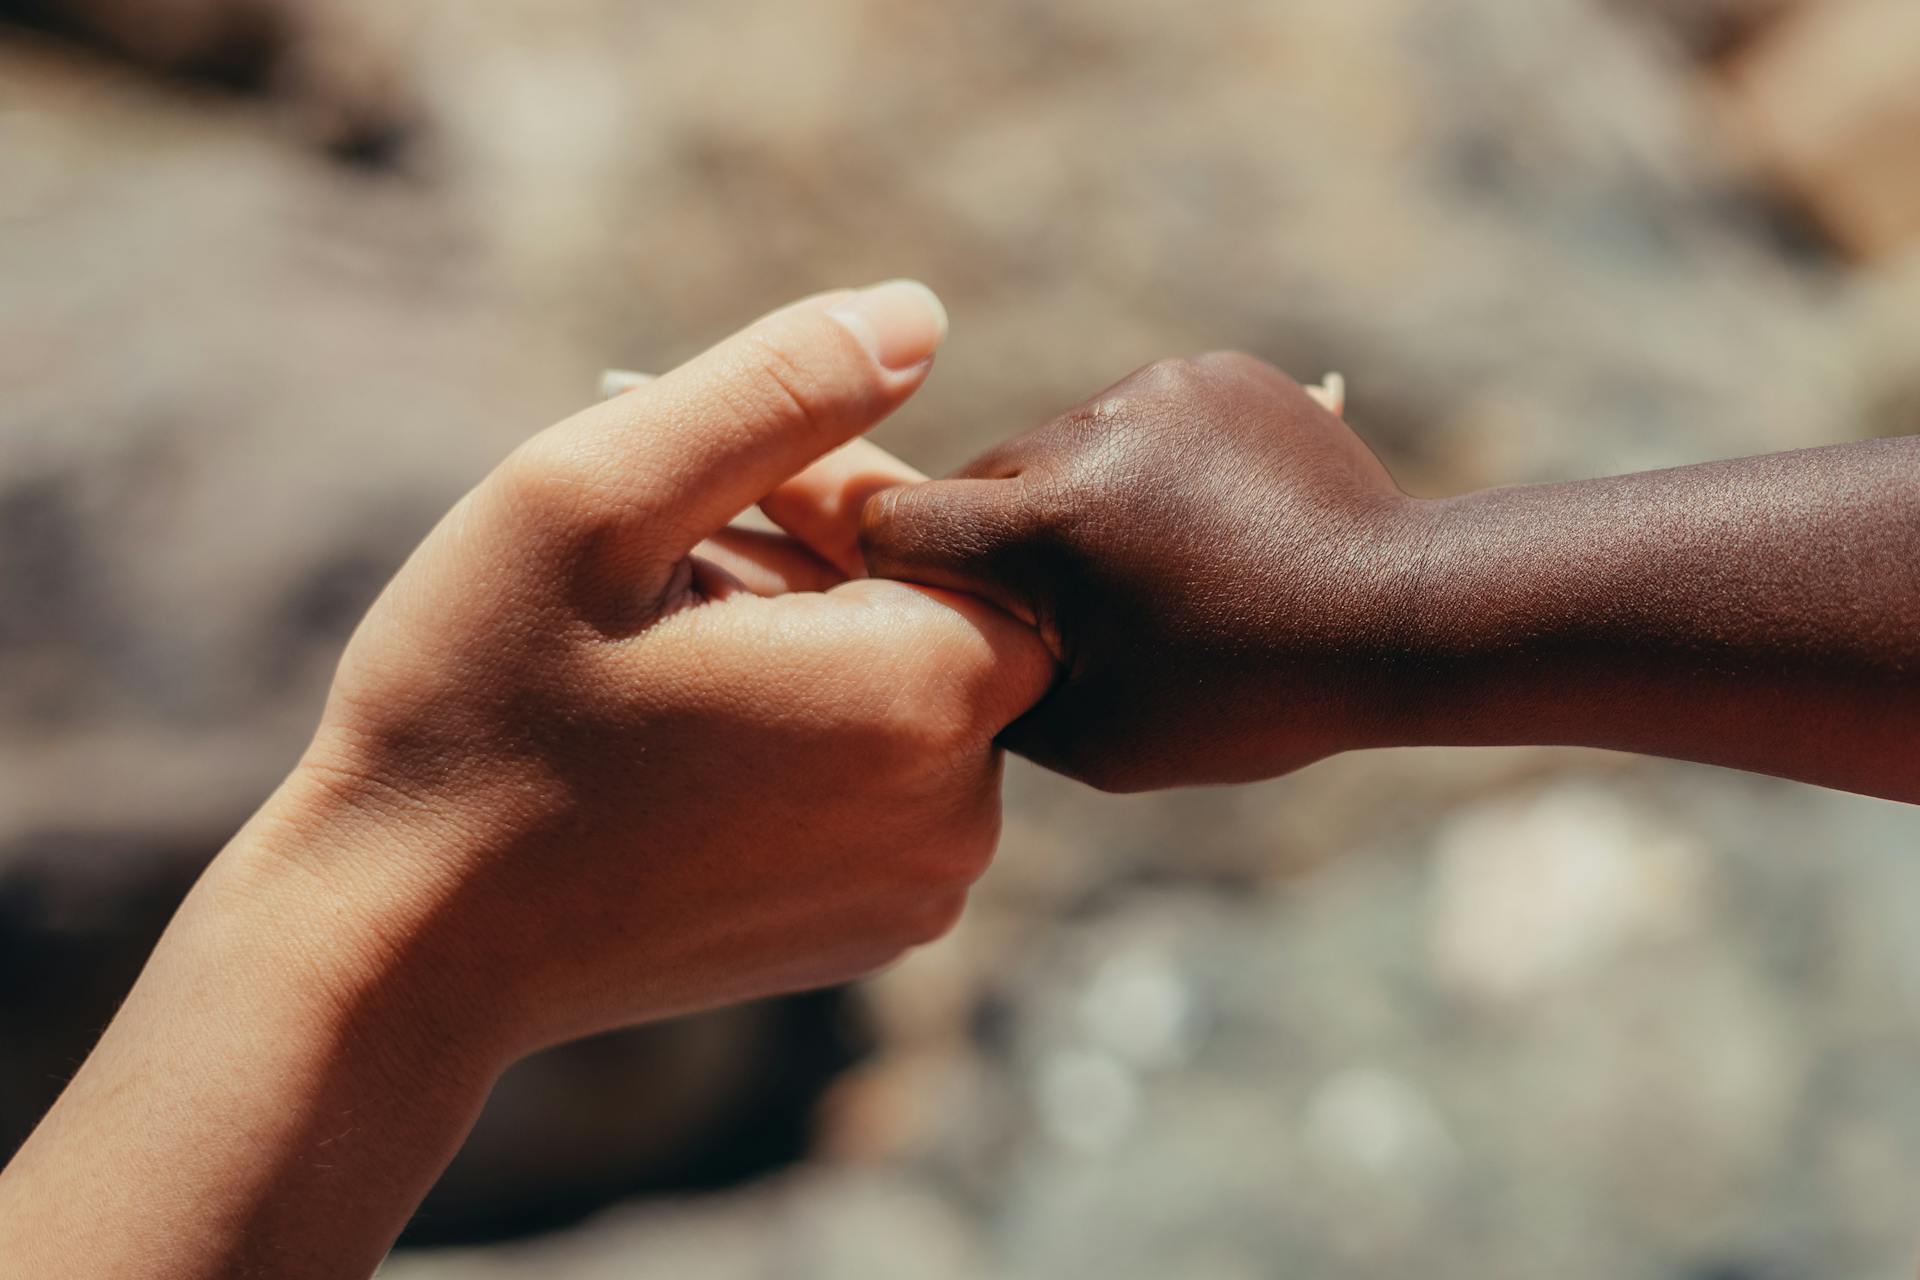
[[597, 757], [601, 757]]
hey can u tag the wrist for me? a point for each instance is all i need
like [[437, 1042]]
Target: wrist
[[1406, 643], [1504, 636], [335, 906], [276, 1094]]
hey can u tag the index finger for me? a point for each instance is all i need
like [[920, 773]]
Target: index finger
[[678, 457], [821, 506]]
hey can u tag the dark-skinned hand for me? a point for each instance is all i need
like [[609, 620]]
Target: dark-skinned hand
[[1213, 556], [1233, 587]]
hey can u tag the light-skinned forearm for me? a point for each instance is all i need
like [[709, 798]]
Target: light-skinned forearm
[[274, 1098], [593, 759]]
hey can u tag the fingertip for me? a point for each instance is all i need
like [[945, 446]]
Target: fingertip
[[874, 531], [822, 505], [901, 323], [959, 534]]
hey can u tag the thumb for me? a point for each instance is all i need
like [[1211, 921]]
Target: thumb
[[678, 456], [969, 535]]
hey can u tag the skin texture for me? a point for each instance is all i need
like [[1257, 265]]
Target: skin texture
[[1235, 587], [597, 757], [593, 758]]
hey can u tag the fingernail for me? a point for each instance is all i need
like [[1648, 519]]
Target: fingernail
[[900, 322], [614, 382]]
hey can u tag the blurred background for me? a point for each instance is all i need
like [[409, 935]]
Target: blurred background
[[279, 279]]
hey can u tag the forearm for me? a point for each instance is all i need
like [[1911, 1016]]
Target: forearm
[[568, 779], [1762, 613], [271, 1100]]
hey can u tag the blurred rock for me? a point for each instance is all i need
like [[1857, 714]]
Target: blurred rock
[[1830, 102], [1194, 1034], [703, 1102], [1710, 29], [1141, 1009], [838, 1225], [1381, 1153], [345, 89], [79, 912], [1532, 894], [238, 42], [699, 1102], [1087, 1101], [1887, 306]]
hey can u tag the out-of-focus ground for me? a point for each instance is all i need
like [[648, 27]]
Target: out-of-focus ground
[[1475, 1015]]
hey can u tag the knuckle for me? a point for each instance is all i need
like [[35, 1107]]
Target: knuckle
[[554, 477], [543, 474], [1007, 459], [1181, 376], [1052, 506], [1169, 375], [779, 388], [578, 489], [1229, 362], [1071, 507]]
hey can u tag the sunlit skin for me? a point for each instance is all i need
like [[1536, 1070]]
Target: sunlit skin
[[597, 756], [592, 759], [1235, 587]]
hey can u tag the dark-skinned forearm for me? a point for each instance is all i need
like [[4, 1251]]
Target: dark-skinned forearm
[[1761, 613]]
